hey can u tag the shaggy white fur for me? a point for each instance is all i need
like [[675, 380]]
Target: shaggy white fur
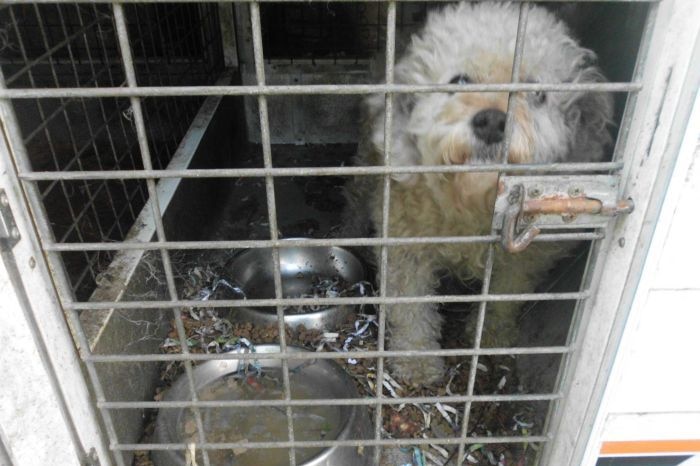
[[471, 42]]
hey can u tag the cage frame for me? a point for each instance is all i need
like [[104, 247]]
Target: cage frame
[[652, 100]]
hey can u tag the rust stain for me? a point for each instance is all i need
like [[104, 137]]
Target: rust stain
[[562, 205], [574, 206], [501, 187]]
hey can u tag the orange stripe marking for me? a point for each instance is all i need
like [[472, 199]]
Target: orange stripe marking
[[636, 447]]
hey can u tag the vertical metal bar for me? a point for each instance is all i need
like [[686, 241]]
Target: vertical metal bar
[[515, 76], [488, 268], [259, 59], [386, 201], [488, 271], [125, 48]]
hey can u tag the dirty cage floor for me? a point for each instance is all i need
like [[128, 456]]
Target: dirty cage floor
[[310, 207]]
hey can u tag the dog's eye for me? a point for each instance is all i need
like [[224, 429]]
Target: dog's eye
[[460, 79], [540, 97]]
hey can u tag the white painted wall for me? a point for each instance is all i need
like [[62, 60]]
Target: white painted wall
[[35, 432], [654, 388]]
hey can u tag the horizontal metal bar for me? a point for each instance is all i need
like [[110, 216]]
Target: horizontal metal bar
[[285, 302], [111, 358], [16, 2], [314, 171], [282, 243], [310, 89], [330, 443], [328, 401]]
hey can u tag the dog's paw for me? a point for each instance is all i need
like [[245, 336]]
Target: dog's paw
[[418, 371]]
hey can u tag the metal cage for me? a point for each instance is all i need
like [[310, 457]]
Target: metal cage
[[104, 106]]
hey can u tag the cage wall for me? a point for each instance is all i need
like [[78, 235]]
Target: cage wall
[[75, 45]]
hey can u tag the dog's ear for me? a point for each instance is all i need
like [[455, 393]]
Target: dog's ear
[[403, 148], [588, 116]]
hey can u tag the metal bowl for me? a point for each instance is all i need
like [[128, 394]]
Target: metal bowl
[[325, 376], [252, 271]]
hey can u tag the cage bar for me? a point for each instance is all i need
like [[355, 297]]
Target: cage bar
[[311, 89], [294, 1], [125, 48], [523, 12], [259, 59]]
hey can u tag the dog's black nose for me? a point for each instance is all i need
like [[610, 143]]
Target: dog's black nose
[[489, 125]]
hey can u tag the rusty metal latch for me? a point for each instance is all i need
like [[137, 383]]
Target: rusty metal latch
[[526, 205]]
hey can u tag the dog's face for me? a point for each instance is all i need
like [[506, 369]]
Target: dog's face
[[474, 43]]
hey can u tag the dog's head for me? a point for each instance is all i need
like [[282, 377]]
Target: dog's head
[[475, 43]]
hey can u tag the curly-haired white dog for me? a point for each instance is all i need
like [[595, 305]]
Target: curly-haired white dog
[[471, 43]]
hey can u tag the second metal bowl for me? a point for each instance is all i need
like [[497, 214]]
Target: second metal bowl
[[309, 379], [301, 268]]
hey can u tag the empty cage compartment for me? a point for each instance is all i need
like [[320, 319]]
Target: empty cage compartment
[[159, 142]]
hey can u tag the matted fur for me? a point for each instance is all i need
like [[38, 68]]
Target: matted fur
[[476, 40]]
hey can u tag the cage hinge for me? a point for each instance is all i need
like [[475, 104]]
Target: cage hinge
[[9, 233], [525, 205]]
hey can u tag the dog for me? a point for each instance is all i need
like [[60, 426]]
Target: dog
[[470, 43]]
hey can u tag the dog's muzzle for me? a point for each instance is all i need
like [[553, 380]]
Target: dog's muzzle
[[489, 125]]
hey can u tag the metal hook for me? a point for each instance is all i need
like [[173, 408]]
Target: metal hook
[[510, 242]]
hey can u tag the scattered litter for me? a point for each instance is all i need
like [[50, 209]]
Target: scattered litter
[[432, 459], [444, 412], [334, 287], [418, 457], [502, 383], [128, 115], [444, 453], [403, 427], [207, 292], [472, 460], [207, 331], [241, 449], [454, 371], [191, 455], [520, 423], [491, 457]]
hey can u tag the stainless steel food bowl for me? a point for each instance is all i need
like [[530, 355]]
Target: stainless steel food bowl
[[252, 271], [324, 375]]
